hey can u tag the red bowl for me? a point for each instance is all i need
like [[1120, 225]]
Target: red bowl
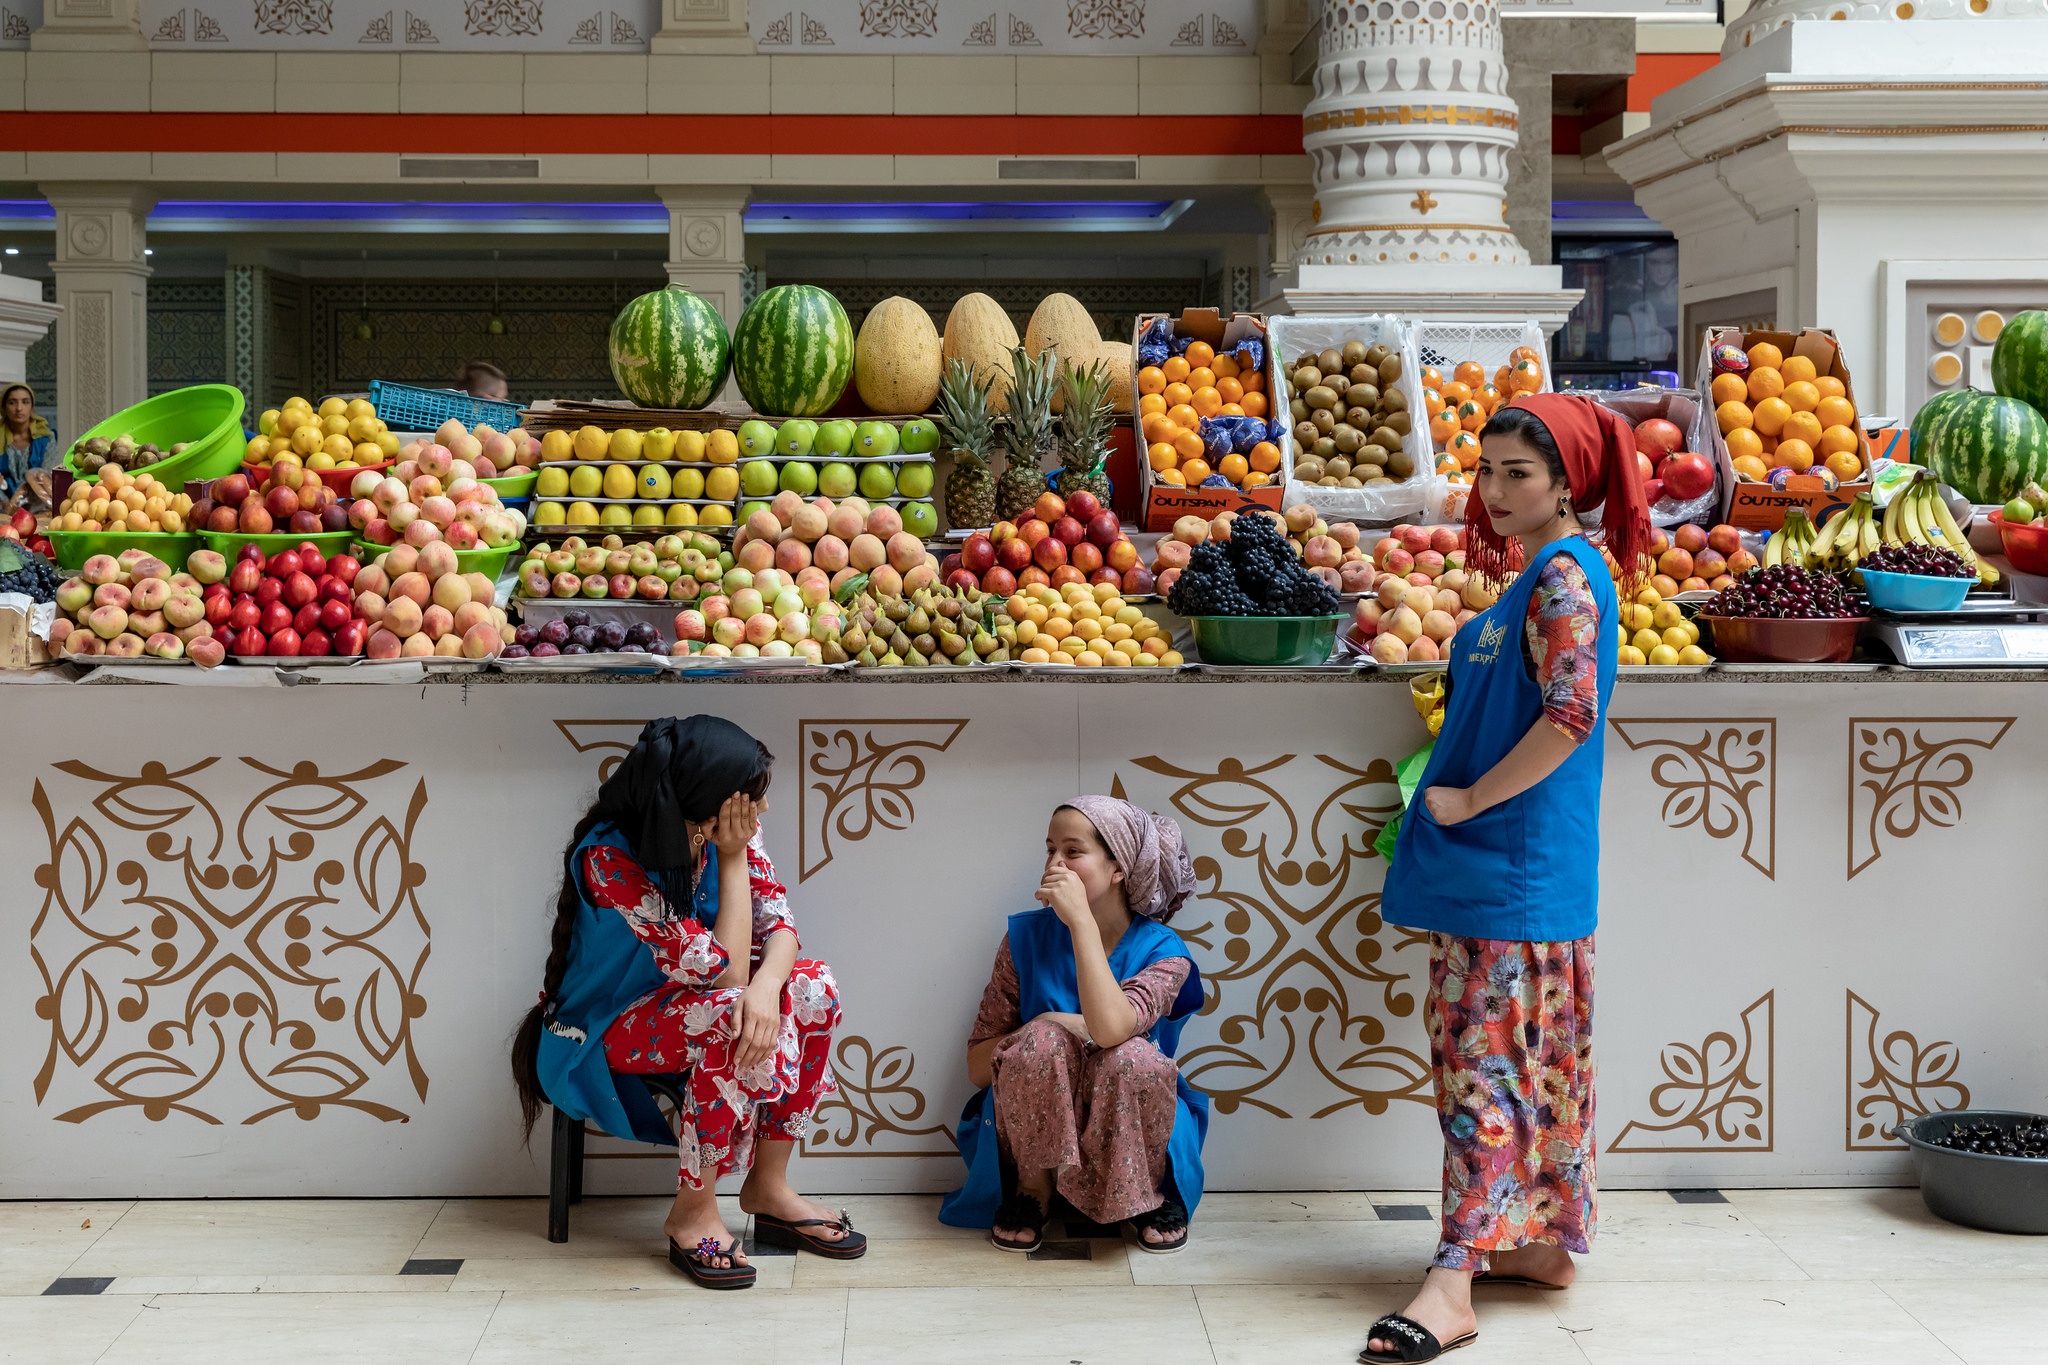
[[337, 479], [1765, 640], [2026, 547]]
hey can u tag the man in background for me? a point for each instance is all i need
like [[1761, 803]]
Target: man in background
[[481, 379]]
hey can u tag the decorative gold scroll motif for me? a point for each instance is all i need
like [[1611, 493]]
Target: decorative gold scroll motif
[[230, 984], [857, 777], [1438, 115], [1893, 1080], [612, 738], [1717, 1097], [1718, 773], [1906, 771], [1293, 952], [877, 1109]]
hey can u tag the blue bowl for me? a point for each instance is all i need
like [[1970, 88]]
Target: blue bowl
[[1914, 592]]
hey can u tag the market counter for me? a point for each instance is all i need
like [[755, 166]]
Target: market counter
[[272, 941]]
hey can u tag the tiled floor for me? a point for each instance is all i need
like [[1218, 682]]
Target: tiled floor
[[1859, 1276]]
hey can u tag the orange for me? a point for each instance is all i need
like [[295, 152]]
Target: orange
[[1200, 353], [1455, 392], [1254, 381], [1265, 457], [1770, 446], [1837, 440], [1835, 412], [1802, 426], [1226, 366], [1500, 377], [1765, 382], [1797, 368], [1831, 387], [1254, 404], [1183, 415], [1763, 353], [1803, 397], [1431, 400], [1743, 441], [1228, 386], [1201, 377], [1447, 463], [1175, 369], [1173, 477], [1432, 378], [1465, 446], [1729, 388], [1151, 379], [1472, 414], [1733, 414], [1769, 417], [1795, 453], [1234, 468], [1206, 401], [1489, 396], [1471, 374], [1845, 465], [1444, 425], [1257, 480], [1194, 471], [1188, 445], [1752, 468], [1157, 426], [1526, 376], [1149, 403], [1230, 410], [1177, 395], [1526, 353], [1160, 455]]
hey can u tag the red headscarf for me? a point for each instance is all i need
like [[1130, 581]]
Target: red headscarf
[[1599, 451]]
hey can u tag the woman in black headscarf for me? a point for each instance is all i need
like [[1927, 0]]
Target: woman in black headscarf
[[674, 954]]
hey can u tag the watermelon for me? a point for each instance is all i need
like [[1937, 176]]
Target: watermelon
[[793, 351], [2019, 362], [669, 349], [1928, 420], [1986, 446]]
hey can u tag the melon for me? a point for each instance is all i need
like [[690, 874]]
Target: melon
[[669, 349], [896, 359], [793, 351], [1927, 422], [2019, 362], [1987, 447], [1117, 356], [979, 332], [1061, 325]]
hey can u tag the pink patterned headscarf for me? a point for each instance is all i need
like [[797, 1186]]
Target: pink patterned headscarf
[[1158, 874]]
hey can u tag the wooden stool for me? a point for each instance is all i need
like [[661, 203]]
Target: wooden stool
[[565, 1153]]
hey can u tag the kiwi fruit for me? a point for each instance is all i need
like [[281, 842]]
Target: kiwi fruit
[[1330, 361], [1349, 419], [1307, 376], [1323, 420], [1324, 449], [1347, 439], [1390, 370], [1375, 354], [1353, 352], [1320, 397], [1338, 466], [1399, 464]]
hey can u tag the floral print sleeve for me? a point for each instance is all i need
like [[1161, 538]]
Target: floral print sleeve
[[1001, 1012], [771, 898], [1561, 644], [683, 948]]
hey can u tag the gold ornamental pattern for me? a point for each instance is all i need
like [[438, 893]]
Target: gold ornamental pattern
[[1297, 978], [857, 777], [1717, 1095], [230, 970], [1892, 1077], [1718, 774], [1907, 773], [877, 1110]]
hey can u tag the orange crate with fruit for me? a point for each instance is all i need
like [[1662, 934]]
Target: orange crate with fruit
[[1469, 371], [1197, 411], [1786, 409]]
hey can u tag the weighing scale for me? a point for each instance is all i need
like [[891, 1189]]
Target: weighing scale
[[1993, 632]]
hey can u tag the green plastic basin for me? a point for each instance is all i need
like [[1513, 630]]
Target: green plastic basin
[[1265, 641], [484, 559], [230, 543], [73, 548], [208, 417], [518, 485]]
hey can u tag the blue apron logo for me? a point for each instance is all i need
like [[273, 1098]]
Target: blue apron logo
[[1488, 646]]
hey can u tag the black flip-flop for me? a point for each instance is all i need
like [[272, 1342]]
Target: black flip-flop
[[1416, 1342], [697, 1264], [1169, 1219], [1523, 1281], [1019, 1213], [779, 1232]]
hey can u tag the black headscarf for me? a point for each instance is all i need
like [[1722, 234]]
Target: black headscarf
[[681, 768]]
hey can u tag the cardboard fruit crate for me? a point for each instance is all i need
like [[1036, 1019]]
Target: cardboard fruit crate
[[1759, 506], [1160, 505]]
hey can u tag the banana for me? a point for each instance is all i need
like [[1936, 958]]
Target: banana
[[1891, 518], [1909, 516], [1774, 548], [1824, 543], [1950, 532], [1868, 522]]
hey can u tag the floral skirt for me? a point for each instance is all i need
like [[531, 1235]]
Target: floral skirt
[[1511, 1043]]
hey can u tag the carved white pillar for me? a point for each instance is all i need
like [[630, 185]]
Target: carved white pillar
[[1288, 220], [707, 243], [103, 288], [90, 26], [702, 27], [24, 320]]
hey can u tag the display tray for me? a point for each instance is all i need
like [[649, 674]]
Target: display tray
[[294, 661], [607, 662], [700, 663]]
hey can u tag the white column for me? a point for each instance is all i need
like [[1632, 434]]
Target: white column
[[24, 320], [707, 243], [702, 27], [103, 288], [93, 26], [1288, 220]]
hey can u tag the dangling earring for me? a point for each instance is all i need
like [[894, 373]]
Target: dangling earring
[[1564, 508]]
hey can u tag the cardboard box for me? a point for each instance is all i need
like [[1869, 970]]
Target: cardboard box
[[1759, 507], [22, 624], [1162, 504]]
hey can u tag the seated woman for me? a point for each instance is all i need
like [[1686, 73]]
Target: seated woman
[[674, 954], [1075, 1042]]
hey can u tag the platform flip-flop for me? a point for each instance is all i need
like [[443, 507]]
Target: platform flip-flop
[[697, 1264], [780, 1232]]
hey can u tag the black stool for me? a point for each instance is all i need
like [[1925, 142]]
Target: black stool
[[565, 1153]]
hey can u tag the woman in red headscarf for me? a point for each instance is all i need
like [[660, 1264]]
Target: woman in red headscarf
[[1500, 862]]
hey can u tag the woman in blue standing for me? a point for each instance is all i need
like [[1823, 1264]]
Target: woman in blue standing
[[1500, 862]]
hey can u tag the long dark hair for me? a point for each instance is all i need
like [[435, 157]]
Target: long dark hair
[[615, 805]]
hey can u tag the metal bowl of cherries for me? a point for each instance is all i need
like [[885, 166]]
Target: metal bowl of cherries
[[1785, 614]]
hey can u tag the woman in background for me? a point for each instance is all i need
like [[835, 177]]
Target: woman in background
[[28, 442]]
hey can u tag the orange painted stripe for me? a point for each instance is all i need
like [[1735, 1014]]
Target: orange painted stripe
[[1659, 72], [635, 134]]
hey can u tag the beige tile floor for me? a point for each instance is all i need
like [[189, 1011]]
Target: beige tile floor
[[1864, 1277]]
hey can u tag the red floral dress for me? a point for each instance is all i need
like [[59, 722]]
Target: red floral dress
[[685, 1024]]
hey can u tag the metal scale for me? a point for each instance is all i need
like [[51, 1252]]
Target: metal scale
[[1991, 632]]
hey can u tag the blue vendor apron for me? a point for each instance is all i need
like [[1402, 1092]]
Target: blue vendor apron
[[1527, 869]]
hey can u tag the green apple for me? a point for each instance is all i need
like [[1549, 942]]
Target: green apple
[[758, 478], [921, 519], [800, 476], [2018, 512], [794, 437], [658, 444], [747, 509], [915, 480], [837, 480], [834, 438], [877, 481], [874, 440], [920, 437], [757, 438]]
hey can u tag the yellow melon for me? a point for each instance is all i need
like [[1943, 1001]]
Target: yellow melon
[[979, 332], [1060, 324], [896, 360], [1117, 356]]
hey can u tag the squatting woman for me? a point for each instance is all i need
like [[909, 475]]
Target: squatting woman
[[674, 953], [1500, 862]]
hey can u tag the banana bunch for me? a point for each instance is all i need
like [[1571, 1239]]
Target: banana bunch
[[1918, 514], [1849, 534], [1792, 543]]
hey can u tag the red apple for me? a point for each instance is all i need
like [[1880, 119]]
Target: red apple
[[999, 581], [350, 637], [1049, 554], [1103, 529], [978, 554], [1138, 579], [299, 590], [244, 577], [1658, 438], [1049, 508], [334, 615], [1084, 507], [315, 644], [306, 618], [343, 567], [274, 618], [284, 644], [267, 591], [1014, 554], [250, 643], [1087, 556], [1069, 532], [281, 503]]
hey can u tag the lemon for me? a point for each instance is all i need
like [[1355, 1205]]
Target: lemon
[[552, 483], [625, 445], [1631, 655], [722, 484], [333, 407], [618, 481], [590, 443], [722, 447], [1646, 640], [654, 482], [586, 481], [358, 408], [689, 446], [646, 514], [687, 483], [1663, 656], [557, 446], [266, 425], [615, 515], [1693, 654], [682, 514], [548, 514], [582, 514], [714, 515]]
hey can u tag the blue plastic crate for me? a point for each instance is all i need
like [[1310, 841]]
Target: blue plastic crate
[[407, 407]]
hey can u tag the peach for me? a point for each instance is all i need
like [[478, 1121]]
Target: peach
[[481, 589], [415, 587], [1389, 649], [885, 582], [809, 523], [436, 561], [101, 569], [846, 521], [1345, 534], [755, 555], [884, 522], [111, 595], [1443, 539], [206, 652], [792, 554], [481, 641], [905, 551], [1675, 562], [1429, 562], [422, 533], [145, 623], [1173, 554], [1299, 518], [1414, 539], [416, 647], [1478, 595], [1190, 530], [1424, 650], [382, 644], [1439, 624], [451, 591], [184, 609], [1447, 601], [439, 510], [830, 553], [785, 506], [125, 646], [763, 525], [1321, 551], [1398, 562], [761, 628], [1689, 538], [401, 560], [1724, 541], [1454, 580], [1402, 623], [436, 621], [1418, 600], [107, 621], [920, 576], [403, 617], [370, 606], [1709, 564], [1391, 592]]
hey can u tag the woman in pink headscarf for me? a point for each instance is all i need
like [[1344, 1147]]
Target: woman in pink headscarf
[[1075, 1039]]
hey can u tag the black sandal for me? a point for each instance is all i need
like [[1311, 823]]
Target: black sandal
[[1019, 1213], [697, 1264], [779, 1232], [1170, 1220], [1523, 1281], [1415, 1342]]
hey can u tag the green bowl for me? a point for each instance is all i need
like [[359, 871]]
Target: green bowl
[[208, 417], [1265, 641], [230, 543], [484, 560], [73, 548], [514, 485]]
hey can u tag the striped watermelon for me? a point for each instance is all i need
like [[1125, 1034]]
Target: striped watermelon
[[1927, 422], [2019, 362], [1988, 447], [793, 351], [669, 349]]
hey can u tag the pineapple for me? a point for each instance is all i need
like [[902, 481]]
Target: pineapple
[[969, 428], [1084, 431], [1030, 435]]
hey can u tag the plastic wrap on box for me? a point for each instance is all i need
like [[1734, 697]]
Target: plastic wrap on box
[[1415, 498]]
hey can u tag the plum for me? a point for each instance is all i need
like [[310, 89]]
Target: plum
[[610, 635], [545, 650], [525, 638], [573, 648], [576, 617], [515, 651], [556, 632], [642, 633], [583, 635]]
